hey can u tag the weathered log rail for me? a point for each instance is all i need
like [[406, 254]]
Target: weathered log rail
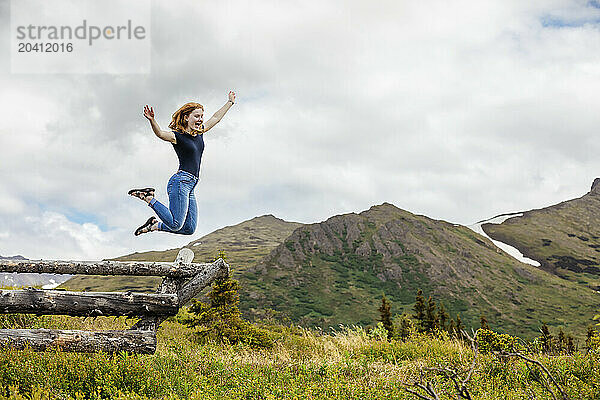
[[87, 304], [135, 341], [182, 281], [173, 270]]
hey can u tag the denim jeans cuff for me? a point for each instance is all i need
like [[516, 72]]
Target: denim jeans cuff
[[152, 202]]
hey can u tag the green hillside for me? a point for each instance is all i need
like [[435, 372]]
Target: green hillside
[[336, 271], [564, 238], [245, 244]]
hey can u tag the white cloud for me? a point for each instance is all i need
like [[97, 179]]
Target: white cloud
[[458, 111]]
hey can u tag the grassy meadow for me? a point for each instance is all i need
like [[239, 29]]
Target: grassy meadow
[[348, 363]]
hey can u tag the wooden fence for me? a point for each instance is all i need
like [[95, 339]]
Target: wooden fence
[[182, 281]]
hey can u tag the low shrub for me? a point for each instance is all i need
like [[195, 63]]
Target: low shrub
[[489, 341], [220, 319]]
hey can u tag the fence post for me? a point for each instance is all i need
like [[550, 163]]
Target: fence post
[[182, 281]]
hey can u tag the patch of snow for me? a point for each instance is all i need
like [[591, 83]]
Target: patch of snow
[[197, 244], [515, 253], [46, 281], [51, 285]]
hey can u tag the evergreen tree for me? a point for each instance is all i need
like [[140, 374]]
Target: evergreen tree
[[444, 317], [431, 317], [386, 316], [459, 326], [570, 345], [546, 339], [591, 331], [221, 319], [420, 311], [406, 327], [484, 323], [220, 254], [452, 328], [561, 342]]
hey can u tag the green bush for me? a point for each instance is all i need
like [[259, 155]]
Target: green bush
[[379, 332], [221, 320], [21, 321], [593, 343], [489, 341], [404, 327], [79, 375]]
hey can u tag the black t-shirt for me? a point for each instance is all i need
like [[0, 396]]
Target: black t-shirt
[[189, 151]]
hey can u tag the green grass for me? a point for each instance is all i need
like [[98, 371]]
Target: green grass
[[305, 364]]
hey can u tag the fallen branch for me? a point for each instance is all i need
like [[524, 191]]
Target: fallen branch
[[452, 374], [543, 368]]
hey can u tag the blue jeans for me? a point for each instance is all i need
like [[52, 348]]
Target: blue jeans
[[181, 216]]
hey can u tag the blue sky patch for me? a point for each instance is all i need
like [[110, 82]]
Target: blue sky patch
[[76, 216], [82, 218], [550, 21], [555, 22]]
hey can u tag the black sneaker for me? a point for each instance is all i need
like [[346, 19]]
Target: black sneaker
[[146, 227], [142, 193]]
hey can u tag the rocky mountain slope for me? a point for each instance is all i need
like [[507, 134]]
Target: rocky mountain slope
[[336, 271]]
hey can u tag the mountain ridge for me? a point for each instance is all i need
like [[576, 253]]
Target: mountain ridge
[[564, 237], [244, 243], [347, 261], [335, 271]]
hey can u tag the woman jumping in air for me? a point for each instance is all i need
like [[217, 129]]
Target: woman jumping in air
[[188, 142]]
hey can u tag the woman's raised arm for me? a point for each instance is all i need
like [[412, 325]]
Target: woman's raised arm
[[212, 121], [167, 136]]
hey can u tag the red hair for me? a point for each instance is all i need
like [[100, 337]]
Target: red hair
[[178, 122]]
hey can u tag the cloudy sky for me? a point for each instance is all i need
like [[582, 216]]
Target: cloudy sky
[[456, 110]]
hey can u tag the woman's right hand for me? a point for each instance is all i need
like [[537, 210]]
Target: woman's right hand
[[149, 113]]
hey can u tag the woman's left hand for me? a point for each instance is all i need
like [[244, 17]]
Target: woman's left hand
[[232, 96]]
